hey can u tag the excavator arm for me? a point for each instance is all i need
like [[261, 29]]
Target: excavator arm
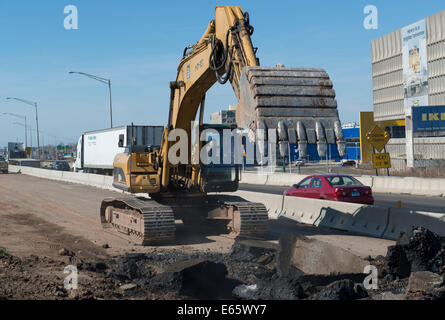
[[223, 51], [299, 103]]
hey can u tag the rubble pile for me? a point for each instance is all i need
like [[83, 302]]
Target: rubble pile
[[417, 257], [414, 268]]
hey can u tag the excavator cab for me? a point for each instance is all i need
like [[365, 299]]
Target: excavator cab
[[219, 170]]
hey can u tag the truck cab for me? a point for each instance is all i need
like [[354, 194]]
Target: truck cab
[[78, 161]]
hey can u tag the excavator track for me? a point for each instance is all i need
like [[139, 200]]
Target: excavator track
[[147, 222], [144, 220], [250, 219]]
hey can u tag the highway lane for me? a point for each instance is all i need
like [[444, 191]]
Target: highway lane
[[420, 203], [37, 213]]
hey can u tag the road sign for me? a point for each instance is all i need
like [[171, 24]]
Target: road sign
[[381, 160], [378, 138]]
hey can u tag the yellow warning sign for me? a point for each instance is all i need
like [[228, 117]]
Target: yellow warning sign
[[378, 138], [381, 160]]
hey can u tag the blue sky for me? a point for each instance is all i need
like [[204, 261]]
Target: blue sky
[[138, 45]]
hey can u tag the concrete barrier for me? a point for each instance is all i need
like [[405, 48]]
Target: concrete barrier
[[410, 185], [275, 179], [53, 174], [361, 219], [284, 179], [13, 169], [108, 183], [425, 186], [400, 220], [314, 256], [366, 180], [272, 202], [70, 176], [94, 180], [389, 184], [302, 210], [253, 178]]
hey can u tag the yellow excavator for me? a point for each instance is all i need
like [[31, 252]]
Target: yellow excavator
[[299, 103]]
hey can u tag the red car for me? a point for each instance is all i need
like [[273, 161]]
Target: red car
[[335, 187]]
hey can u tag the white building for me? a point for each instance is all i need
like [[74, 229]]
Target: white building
[[408, 70]]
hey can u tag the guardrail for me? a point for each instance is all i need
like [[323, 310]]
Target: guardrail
[[408, 185], [361, 219], [367, 220]]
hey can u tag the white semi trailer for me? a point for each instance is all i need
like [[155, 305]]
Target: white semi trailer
[[96, 149]]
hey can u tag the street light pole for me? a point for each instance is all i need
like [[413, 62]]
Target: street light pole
[[37, 120], [103, 80], [26, 130], [38, 132], [111, 112]]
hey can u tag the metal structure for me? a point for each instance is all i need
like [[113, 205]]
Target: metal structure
[[103, 80]]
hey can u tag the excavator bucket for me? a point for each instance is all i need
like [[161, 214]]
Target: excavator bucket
[[298, 102]]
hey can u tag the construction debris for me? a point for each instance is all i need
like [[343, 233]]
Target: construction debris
[[252, 270], [425, 285], [416, 250], [341, 290]]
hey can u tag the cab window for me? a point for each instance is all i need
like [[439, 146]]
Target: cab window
[[340, 181], [316, 183], [304, 184]]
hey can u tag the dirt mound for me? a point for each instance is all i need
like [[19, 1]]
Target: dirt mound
[[253, 270], [341, 290], [419, 249], [43, 278], [197, 279], [286, 282]]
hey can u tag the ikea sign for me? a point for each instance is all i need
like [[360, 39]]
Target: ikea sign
[[428, 118]]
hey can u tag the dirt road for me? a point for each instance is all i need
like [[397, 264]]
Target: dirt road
[[48, 225], [41, 215]]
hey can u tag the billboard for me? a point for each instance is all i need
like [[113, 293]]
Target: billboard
[[415, 64], [16, 146], [428, 119], [16, 150]]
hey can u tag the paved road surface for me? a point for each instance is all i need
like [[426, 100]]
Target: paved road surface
[[420, 203], [39, 214]]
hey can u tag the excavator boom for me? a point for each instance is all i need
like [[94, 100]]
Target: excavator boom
[[299, 103]]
